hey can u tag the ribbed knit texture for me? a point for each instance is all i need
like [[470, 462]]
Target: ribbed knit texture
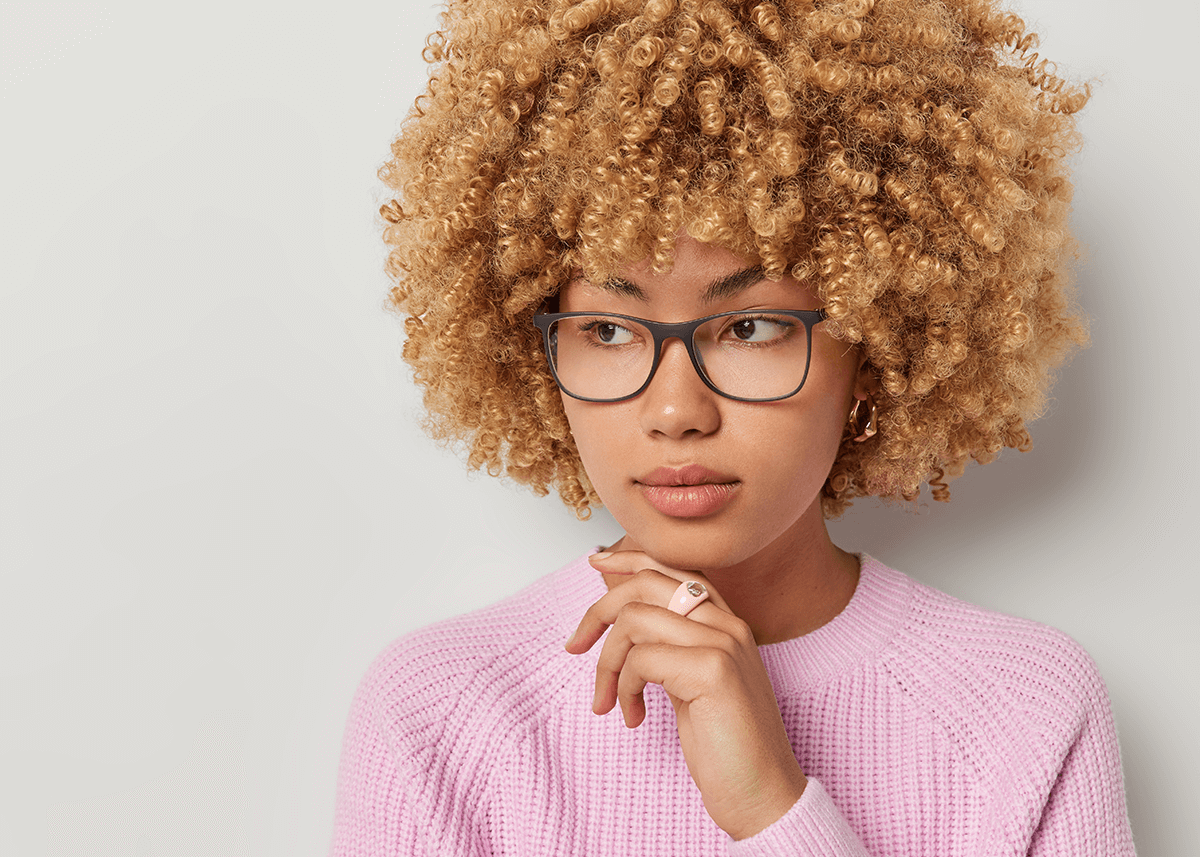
[[926, 726]]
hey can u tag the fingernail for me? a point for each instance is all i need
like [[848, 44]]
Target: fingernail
[[601, 555]]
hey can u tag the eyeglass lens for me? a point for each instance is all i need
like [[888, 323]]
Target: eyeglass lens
[[748, 356]]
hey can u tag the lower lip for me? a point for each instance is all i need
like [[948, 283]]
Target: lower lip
[[689, 501]]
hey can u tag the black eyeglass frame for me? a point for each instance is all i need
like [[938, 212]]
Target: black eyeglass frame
[[685, 332]]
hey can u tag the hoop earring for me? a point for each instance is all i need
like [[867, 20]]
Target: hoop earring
[[864, 432]]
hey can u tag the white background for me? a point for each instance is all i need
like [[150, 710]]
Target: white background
[[216, 506]]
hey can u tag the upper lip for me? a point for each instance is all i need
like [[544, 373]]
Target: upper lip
[[692, 474]]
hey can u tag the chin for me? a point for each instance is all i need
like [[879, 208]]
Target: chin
[[694, 546]]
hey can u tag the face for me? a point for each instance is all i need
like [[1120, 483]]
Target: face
[[697, 480]]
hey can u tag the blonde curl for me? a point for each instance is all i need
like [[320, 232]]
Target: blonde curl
[[906, 159]]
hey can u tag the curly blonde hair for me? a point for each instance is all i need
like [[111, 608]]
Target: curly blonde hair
[[905, 158]]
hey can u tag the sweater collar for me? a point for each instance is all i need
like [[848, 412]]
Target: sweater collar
[[879, 606]]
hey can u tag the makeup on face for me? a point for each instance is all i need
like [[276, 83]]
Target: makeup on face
[[696, 479], [693, 491]]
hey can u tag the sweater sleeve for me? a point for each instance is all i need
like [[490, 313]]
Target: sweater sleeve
[[375, 802], [399, 793], [813, 827], [1085, 813]]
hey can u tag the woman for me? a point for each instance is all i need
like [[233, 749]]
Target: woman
[[724, 268]]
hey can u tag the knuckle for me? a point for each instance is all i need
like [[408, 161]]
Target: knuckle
[[634, 658], [717, 663], [741, 633], [629, 684], [629, 688], [633, 612], [639, 656], [647, 576]]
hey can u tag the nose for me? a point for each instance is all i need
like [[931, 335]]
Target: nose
[[678, 403]]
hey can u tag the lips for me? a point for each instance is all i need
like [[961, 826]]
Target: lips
[[687, 492], [693, 474]]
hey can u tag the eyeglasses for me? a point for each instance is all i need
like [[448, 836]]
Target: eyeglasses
[[749, 356]]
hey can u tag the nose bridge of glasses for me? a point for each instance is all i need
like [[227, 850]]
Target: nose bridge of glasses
[[685, 334]]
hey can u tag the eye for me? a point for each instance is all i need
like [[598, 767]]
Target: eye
[[760, 329], [609, 332]]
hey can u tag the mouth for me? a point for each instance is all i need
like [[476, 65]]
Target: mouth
[[688, 492], [693, 474]]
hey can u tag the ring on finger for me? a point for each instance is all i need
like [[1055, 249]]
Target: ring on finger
[[687, 595]]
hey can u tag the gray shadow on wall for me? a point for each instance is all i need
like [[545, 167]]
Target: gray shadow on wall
[[990, 503]]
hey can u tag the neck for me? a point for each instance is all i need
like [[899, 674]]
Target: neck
[[789, 588]]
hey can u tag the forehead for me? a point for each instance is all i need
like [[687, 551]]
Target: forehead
[[682, 298], [708, 273], [725, 286], [679, 296]]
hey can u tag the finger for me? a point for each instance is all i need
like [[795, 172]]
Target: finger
[[652, 587], [648, 585], [685, 672], [626, 562], [640, 624], [630, 562]]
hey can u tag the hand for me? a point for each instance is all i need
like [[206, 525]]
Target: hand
[[729, 725]]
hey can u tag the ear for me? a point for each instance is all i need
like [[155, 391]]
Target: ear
[[866, 380]]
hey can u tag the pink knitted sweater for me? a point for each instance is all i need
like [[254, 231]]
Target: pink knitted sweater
[[926, 726]]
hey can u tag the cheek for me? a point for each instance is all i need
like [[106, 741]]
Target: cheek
[[832, 377], [799, 449], [806, 439], [595, 429]]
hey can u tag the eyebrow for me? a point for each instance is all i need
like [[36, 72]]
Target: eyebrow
[[726, 287]]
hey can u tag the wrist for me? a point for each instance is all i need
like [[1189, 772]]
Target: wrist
[[774, 805]]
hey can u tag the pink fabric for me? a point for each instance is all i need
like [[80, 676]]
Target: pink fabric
[[926, 726]]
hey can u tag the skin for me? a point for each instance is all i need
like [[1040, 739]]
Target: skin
[[766, 556]]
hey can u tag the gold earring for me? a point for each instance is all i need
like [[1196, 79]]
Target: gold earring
[[865, 432]]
